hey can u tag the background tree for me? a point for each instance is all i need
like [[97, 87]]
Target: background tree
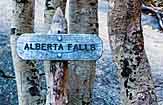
[[127, 43], [83, 19], [27, 76]]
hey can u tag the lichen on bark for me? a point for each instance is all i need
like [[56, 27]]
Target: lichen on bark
[[27, 76], [127, 43]]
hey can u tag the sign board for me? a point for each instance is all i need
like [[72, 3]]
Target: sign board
[[59, 47]]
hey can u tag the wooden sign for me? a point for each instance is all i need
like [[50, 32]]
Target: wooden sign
[[59, 47]]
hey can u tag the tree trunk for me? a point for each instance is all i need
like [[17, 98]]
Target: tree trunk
[[27, 76], [56, 71], [82, 19], [127, 43]]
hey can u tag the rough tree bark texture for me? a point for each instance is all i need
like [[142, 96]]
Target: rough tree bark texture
[[27, 76], [56, 71], [82, 20], [127, 43]]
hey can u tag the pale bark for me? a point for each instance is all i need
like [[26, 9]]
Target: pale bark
[[27, 76], [56, 71], [127, 43], [82, 20]]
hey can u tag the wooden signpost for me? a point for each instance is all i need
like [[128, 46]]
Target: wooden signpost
[[59, 47]]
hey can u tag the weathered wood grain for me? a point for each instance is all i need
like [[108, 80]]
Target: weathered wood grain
[[59, 47], [56, 71]]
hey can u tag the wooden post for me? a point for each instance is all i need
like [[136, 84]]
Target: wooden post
[[127, 43], [56, 71], [27, 76], [82, 19]]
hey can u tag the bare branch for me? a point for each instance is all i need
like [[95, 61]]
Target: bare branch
[[2, 74]]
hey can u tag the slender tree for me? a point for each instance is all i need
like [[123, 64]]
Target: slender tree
[[27, 76], [82, 19], [127, 43], [56, 71]]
